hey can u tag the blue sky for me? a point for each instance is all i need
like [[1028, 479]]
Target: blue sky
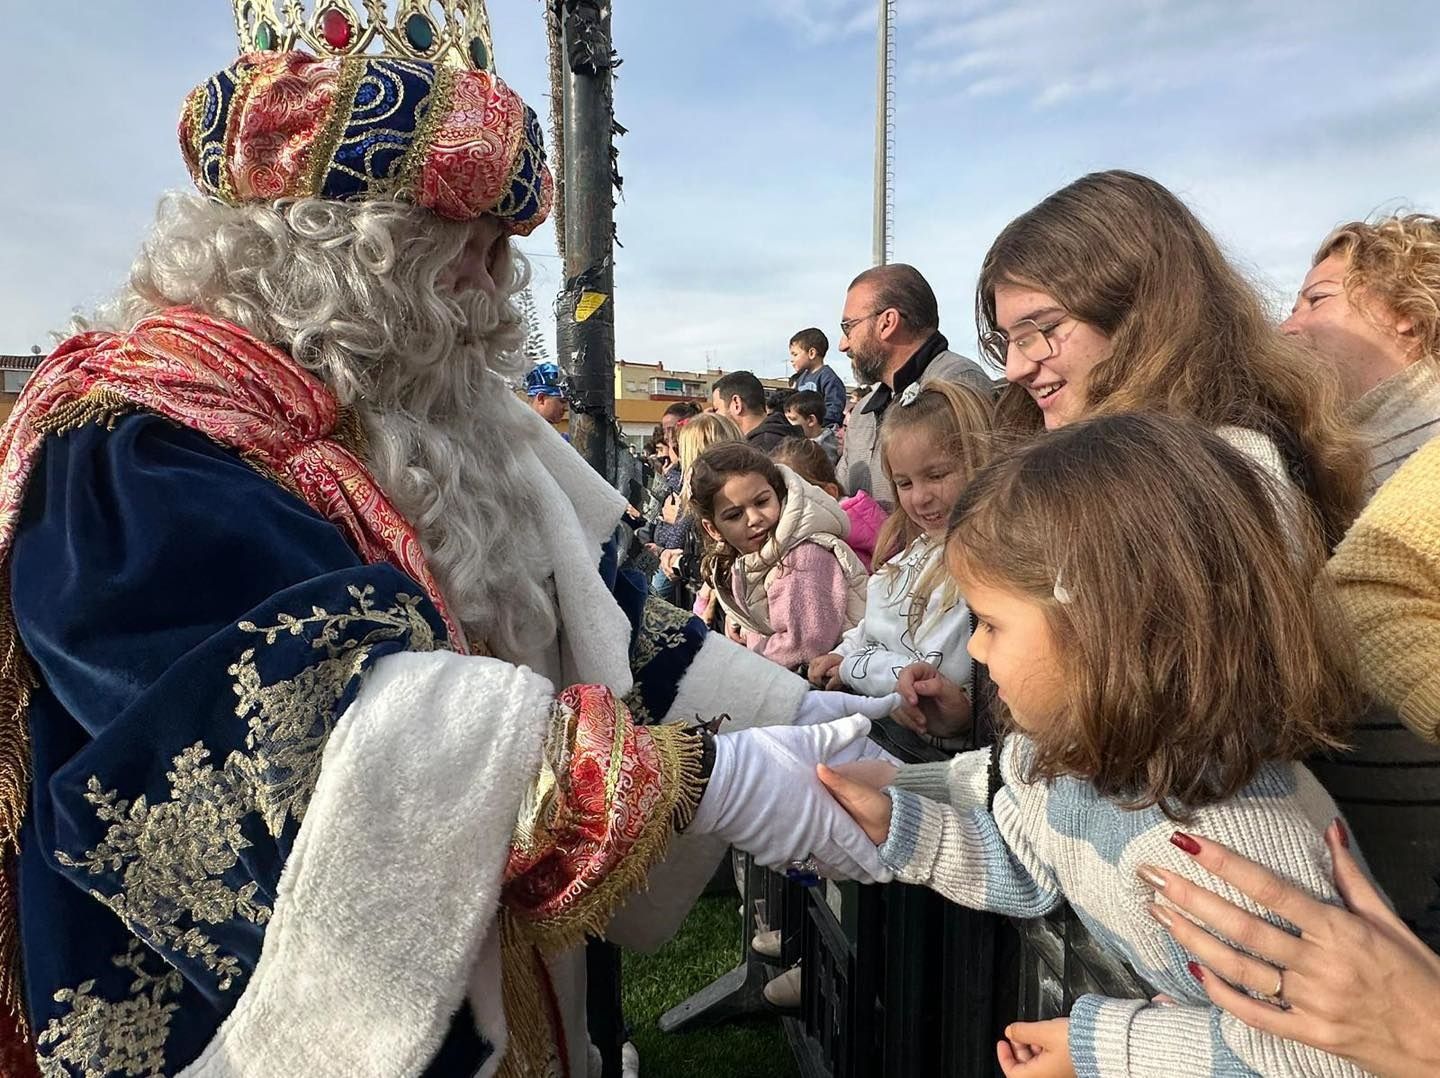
[[748, 165]]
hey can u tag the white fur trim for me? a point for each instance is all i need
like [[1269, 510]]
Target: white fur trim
[[392, 886], [726, 677], [578, 511]]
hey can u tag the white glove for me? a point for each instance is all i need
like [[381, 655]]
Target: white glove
[[862, 748], [821, 706], [765, 798]]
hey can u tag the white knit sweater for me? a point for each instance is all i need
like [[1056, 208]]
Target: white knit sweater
[[1044, 843]]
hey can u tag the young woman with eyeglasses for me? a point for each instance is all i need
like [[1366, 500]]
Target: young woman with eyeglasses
[[1111, 296]]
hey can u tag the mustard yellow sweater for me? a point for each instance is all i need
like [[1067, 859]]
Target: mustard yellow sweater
[[1387, 573]]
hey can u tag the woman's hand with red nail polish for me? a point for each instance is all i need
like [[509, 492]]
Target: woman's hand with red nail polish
[[1356, 981]]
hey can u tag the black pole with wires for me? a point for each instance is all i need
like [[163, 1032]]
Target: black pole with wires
[[585, 313]]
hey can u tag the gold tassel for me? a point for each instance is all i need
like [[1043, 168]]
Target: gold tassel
[[16, 683], [103, 406], [534, 1042], [532, 1048]]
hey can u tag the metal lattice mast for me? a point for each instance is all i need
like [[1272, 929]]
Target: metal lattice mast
[[883, 247]]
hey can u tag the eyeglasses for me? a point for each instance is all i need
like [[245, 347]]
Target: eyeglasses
[[847, 324], [1035, 342]]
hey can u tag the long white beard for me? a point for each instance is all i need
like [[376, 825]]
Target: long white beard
[[454, 476]]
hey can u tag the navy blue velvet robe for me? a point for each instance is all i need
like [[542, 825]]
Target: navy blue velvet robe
[[197, 631]]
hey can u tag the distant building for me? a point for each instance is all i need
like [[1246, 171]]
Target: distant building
[[644, 390], [15, 371]]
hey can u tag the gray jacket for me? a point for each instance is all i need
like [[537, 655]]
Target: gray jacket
[[859, 467]]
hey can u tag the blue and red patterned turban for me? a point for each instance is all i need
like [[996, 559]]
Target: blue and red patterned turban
[[289, 125]]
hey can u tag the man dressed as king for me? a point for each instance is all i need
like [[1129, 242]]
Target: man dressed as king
[[329, 727]]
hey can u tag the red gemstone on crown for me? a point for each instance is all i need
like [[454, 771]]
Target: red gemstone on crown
[[336, 28]]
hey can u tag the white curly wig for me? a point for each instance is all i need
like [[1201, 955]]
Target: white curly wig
[[350, 290]]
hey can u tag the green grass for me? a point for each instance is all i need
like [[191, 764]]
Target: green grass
[[707, 945]]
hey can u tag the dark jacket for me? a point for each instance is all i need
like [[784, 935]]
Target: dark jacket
[[772, 432], [828, 384]]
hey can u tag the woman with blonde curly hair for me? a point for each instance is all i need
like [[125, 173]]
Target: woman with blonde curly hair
[[1111, 296], [1370, 309]]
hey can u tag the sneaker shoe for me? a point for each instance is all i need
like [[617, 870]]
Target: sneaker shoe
[[783, 992], [767, 944]]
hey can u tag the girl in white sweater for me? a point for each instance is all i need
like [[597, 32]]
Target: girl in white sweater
[[1166, 660], [932, 444]]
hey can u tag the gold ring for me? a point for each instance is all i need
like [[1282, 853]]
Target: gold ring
[[1278, 996]]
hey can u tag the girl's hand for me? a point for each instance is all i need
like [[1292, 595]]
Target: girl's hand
[[1036, 1050], [734, 631], [867, 806], [1357, 982], [821, 669], [934, 704], [670, 511]]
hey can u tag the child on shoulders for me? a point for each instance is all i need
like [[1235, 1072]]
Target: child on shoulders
[[807, 356]]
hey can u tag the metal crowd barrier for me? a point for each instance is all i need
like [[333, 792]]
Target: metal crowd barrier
[[895, 980]]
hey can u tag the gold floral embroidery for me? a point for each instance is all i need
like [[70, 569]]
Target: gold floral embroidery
[[99, 1037], [172, 855], [662, 627]]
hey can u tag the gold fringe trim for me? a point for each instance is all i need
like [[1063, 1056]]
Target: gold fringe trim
[[681, 753], [103, 406], [531, 1044], [17, 681]]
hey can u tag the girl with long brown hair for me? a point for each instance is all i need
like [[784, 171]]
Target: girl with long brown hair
[[1163, 664], [1111, 296]]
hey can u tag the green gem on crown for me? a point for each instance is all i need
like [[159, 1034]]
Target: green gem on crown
[[479, 55], [265, 37], [420, 33]]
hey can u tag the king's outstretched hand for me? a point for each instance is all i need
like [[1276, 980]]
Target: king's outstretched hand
[[763, 797]]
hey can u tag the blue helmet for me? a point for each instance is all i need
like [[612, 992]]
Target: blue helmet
[[545, 380]]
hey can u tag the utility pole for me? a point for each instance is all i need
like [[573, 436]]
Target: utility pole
[[586, 309], [884, 134]]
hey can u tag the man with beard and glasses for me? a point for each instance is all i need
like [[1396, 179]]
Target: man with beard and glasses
[[328, 726], [890, 329]]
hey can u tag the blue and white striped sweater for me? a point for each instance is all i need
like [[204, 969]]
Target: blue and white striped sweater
[[1047, 843]]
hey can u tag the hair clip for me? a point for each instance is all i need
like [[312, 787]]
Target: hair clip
[[1061, 592], [911, 392]]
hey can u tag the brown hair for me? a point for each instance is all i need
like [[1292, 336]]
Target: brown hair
[[958, 421], [1397, 260], [805, 458], [1196, 642], [1188, 335], [713, 469]]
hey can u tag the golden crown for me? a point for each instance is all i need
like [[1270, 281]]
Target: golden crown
[[455, 33]]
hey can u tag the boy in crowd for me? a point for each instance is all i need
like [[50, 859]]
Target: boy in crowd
[[807, 356], [806, 409]]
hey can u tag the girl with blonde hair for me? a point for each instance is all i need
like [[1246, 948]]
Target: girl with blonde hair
[[932, 444]]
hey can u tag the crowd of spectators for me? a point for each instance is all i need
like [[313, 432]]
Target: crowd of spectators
[[1225, 535]]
